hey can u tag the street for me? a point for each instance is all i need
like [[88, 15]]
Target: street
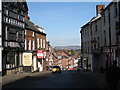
[[66, 79]]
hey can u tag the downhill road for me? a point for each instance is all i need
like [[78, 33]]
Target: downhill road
[[66, 79]]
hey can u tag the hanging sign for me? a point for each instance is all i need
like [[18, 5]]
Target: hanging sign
[[40, 54]]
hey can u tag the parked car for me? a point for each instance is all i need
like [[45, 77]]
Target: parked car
[[56, 69]]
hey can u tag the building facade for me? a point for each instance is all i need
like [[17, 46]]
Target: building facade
[[35, 39], [99, 38], [109, 44], [41, 45], [95, 27], [30, 44], [86, 46], [13, 27], [49, 59], [118, 34]]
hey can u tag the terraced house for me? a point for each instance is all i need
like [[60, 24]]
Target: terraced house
[[100, 38], [35, 39]]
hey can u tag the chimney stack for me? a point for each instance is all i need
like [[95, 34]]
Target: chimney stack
[[98, 9]]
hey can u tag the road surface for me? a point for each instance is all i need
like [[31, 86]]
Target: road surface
[[66, 79]]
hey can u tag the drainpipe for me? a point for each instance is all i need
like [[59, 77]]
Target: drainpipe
[[109, 34]]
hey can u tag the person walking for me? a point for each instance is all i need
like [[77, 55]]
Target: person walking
[[113, 76]]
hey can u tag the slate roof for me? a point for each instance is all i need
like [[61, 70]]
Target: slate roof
[[31, 26]]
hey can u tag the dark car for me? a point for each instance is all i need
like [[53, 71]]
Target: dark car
[[56, 69]]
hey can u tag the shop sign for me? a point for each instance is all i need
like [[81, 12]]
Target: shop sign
[[27, 59], [40, 54]]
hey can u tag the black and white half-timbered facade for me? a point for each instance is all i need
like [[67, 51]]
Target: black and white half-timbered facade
[[13, 27]]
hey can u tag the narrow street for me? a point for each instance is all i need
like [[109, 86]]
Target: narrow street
[[66, 79], [80, 40]]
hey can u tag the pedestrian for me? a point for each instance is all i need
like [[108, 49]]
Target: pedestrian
[[113, 76]]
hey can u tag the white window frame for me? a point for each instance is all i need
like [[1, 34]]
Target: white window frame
[[29, 45], [25, 32], [37, 42], [41, 43], [33, 43]]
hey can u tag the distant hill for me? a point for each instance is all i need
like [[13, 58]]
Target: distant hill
[[67, 47]]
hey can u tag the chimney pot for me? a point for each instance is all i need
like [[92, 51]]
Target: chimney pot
[[98, 9]]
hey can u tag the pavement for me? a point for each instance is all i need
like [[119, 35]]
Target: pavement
[[100, 77], [13, 77]]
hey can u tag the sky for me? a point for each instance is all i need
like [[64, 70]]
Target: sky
[[62, 20]]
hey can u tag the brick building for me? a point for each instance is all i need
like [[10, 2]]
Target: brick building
[[64, 62], [49, 59], [41, 44], [30, 44], [35, 39]]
